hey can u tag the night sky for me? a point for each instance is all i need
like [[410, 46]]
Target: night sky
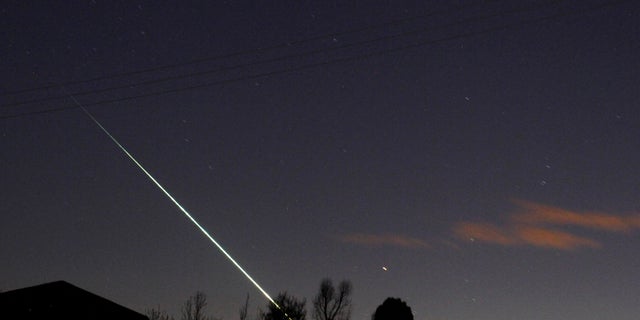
[[485, 153]]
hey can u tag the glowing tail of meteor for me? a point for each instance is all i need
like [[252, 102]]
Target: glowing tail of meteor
[[186, 213]]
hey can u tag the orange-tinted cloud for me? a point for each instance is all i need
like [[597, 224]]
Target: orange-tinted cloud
[[536, 225], [484, 232], [514, 235], [549, 238], [387, 239], [539, 214]]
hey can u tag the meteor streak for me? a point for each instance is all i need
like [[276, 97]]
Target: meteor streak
[[186, 213]]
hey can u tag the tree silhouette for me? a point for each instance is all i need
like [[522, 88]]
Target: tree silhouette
[[243, 310], [193, 308], [157, 314], [393, 309], [331, 305], [290, 309]]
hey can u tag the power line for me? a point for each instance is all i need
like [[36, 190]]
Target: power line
[[334, 61], [531, 7], [251, 51]]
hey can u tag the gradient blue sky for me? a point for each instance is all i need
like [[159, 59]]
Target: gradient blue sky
[[495, 175]]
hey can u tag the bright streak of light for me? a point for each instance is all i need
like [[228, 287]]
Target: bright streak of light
[[186, 213]]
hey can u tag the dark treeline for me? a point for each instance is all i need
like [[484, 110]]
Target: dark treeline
[[330, 303]]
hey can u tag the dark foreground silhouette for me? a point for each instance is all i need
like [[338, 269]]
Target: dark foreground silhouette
[[61, 300], [393, 309]]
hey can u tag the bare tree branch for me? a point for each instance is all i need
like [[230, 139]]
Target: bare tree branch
[[329, 305], [290, 309], [193, 308], [244, 308]]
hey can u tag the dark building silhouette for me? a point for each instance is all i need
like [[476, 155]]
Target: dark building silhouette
[[61, 300]]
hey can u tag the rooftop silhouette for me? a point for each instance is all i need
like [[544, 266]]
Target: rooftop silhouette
[[61, 300]]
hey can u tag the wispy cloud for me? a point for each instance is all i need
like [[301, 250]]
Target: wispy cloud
[[549, 238], [386, 239], [537, 225], [536, 213], [485, 232]]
